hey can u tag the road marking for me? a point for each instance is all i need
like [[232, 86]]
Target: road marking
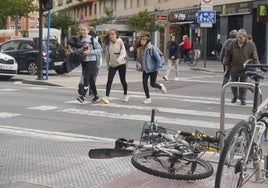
[[8, 115], [51, 135], [36, 88], [44, 108], [139, 117], [8, 89], [177, 111]]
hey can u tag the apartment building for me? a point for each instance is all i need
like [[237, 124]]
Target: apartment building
[[181, 18], [25, 23]]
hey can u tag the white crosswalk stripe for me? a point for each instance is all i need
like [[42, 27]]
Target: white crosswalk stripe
[[8, 115], [8, 89], [169, 115], [114, 110]]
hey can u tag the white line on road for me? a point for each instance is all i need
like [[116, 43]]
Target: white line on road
[[8, 114], [51, 135], [139, 117]]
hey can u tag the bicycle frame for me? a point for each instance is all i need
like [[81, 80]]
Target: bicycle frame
[[151, 132]]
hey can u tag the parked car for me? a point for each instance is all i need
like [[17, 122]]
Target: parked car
[[25, 51], [8, 65]]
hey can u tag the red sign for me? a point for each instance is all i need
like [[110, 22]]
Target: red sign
[[161, 17], [206, 1]]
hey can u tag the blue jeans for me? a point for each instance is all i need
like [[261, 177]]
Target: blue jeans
[[218, 55], [241, 92], [226, 78]]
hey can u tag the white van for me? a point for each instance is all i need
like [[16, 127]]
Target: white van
[[53, 33]]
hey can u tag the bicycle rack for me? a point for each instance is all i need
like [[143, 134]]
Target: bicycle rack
[[222, 111]]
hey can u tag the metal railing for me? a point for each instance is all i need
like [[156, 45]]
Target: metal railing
[[222, 110]]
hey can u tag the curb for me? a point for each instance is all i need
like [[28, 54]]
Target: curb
[[39, 82], [205, 70]]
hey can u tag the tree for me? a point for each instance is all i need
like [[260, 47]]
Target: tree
[[15, 9], [143, 21], [108, 18], [62, 21]]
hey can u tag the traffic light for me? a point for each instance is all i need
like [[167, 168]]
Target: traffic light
[[47, 4]]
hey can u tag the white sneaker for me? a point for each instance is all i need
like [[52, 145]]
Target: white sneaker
[[165, 78], [176, 78], [163, 88], [147, 101], [125, 98]]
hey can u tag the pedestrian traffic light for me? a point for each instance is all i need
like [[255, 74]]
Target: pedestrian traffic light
[[47, 4]]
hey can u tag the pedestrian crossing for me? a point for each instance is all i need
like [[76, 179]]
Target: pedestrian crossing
[[114, 114], [136, 111]]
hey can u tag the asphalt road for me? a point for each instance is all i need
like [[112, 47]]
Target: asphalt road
[[45, 134]]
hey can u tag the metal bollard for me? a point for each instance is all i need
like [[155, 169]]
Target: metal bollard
[[266, 165]]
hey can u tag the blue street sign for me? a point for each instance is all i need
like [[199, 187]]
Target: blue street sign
[[206, 16]]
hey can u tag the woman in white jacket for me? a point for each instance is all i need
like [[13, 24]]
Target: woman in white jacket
[[116, 61]]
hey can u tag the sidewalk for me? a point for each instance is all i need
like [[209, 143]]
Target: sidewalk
[[70, 80]]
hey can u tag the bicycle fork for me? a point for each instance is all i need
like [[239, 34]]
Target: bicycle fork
[[258, 129]]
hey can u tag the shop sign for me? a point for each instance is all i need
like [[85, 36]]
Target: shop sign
[[182, 16], [237, 8]]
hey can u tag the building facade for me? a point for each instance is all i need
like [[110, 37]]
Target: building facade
[[231, 14], [25, 23], [181, 18]]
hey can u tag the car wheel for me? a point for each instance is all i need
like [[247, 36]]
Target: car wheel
[[59, 71], [32, 68]]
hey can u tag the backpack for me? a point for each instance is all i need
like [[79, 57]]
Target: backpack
[[160, 53]]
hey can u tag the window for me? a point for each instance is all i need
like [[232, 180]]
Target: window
[[100, 7], [25, 46], [145, 2], [125, 4], [32, 19], [13, 45], [95, 9], [131, 3], [138, 3]]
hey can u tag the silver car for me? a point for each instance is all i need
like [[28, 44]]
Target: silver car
[[8, 65]]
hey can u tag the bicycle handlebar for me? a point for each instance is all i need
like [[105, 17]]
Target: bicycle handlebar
[[248, 64]]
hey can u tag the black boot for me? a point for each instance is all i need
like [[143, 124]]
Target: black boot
[[80, 89]]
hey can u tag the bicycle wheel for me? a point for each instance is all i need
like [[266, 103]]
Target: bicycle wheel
[[230, 172], [193, 59], [161, 164]]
